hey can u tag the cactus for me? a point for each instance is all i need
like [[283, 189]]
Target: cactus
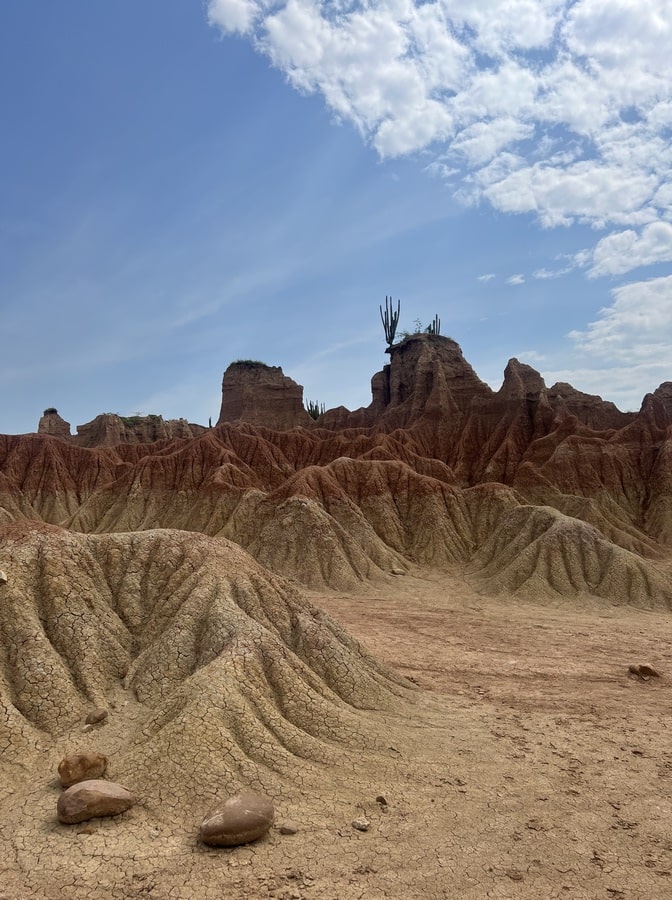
[[390, 321], [435, 326], [315, 409]]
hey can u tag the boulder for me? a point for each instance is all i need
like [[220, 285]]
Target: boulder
[[237, 820], [89, 799], [81, 767]]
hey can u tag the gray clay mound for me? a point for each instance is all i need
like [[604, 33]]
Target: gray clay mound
[[536, 553], [229, 669]]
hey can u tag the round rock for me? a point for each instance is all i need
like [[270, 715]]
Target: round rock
[[237, 820], [81, 767], [88, 799]]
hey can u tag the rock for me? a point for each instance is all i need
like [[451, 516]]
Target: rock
[[237, 820], [3, 577], [52, 423], [644, 671], [81, 767], [361, 824], [288, 828], [88, 799], [380, 799], [262, 395], [96, 716], [109, 430], [397, 572]]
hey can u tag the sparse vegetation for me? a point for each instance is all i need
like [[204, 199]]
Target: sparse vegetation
[[50, 411], [249, 362], [433, 328], [131, 421], [314, 409]]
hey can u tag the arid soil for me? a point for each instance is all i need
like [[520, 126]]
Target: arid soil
[[526, 762]]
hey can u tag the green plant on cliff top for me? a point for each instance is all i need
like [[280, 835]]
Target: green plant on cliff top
[[314, 409]]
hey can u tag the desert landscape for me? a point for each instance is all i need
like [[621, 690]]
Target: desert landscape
[[434, 632]]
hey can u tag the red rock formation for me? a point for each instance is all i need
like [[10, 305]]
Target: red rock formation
[[423, 474], [109, 430], [261, 395], [52, 423]]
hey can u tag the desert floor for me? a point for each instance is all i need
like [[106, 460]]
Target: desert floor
[[528, 763]]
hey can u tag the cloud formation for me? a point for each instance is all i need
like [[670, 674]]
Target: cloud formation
[[559, 108], [636, 328]]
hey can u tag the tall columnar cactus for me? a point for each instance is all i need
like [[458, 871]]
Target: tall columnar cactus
[[435, 326], [390, 321]]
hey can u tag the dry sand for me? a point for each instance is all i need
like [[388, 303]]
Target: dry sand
[[527, 763]]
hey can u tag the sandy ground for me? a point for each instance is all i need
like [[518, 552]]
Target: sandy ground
[[528, 764]]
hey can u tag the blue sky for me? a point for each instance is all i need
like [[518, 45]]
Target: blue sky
[[186, 183]]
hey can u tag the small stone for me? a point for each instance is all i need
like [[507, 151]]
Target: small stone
[[96, 716], [397, 572], [3, 577], [644, 671], [237, 820], [89, 799], [361, 824], [380, 799], [87, 728], [81, 767], [288, 828]]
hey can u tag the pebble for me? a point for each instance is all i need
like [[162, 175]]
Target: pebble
[[89, 799], [644, 671], [361, 824], [3, 577], [237, 820], [96, 715], [81, 767], [288, 828]]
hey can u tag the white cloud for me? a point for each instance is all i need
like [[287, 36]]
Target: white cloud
[[624, 385], [625, 250], [558, 108], [547, 274], [636, 328], [233, 15], [486, 278], [516, 279]]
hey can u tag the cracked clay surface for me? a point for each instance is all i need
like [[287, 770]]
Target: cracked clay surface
[[522, 760]]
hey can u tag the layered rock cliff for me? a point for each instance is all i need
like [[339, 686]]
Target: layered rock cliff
[[261, 395], [110, 429]]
